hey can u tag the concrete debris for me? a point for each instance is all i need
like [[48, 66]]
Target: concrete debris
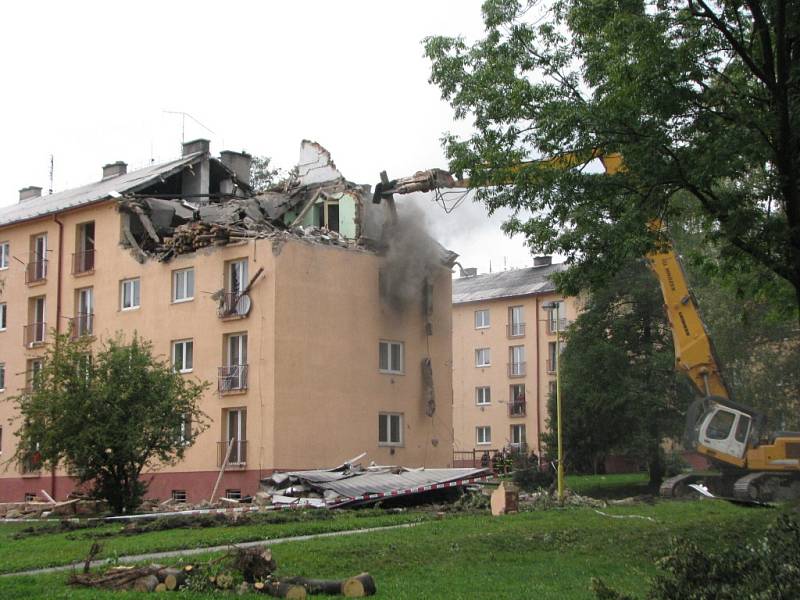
[[353, 485]]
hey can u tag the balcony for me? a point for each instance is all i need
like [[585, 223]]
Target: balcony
[[238, 455], [232, 378], [83, 262], [82, 325], [515, 330], [233, 305], [36, 270], [516, 369], [560, 325], [34, 334], [517, 408]]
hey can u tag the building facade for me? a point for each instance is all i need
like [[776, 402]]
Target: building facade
[[504, 358], [283, 313]]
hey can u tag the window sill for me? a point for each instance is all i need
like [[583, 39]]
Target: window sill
[[483, 443], [382, 372], [36, 283], [130, 308], [185, 371], [233, 317], [233, 392], [183, 300], [482, 366], [32, 345], [390, 445], [482, 404], [84, 273]]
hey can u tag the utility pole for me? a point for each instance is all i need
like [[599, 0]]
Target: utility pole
[[555, 306]]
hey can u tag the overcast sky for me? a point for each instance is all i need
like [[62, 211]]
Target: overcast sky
[[89, 83]]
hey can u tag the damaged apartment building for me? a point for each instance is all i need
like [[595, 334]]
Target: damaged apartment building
[[321, 319]]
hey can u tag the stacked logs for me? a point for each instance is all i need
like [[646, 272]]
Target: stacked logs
[[255, 566], [195, 235]]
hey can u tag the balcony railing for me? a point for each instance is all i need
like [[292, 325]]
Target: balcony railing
[[36, 270], [232, 378], [233, 304], [517, 408], [83, 262], [554, 326], [238, 455], [516, 369], [82, 325], [34, 333], [515, 330]]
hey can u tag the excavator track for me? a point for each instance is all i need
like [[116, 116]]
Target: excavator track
[[678, 486], [767, 486]]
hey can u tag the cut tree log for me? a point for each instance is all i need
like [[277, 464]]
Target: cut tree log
[[331, 587], [284, 590], [147, 583], [172, 578], [359, 586], [161, 588]]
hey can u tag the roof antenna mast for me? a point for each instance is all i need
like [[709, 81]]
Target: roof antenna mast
[[183, 123], [50, 189]]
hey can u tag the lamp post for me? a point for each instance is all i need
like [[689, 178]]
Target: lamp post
[[554, 306]]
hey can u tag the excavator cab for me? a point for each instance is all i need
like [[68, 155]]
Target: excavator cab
[[722, 429]]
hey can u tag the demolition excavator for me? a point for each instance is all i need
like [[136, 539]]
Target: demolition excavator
[[754, 464]]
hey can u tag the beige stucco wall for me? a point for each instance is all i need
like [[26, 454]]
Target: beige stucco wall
[[314, 387], [467, 415]]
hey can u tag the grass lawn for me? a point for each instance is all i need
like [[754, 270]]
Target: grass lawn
[[552, 554], [615, 486]]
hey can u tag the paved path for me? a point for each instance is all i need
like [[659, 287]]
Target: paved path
[[154, 556]]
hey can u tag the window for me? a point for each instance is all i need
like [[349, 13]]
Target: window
[[516, 322], [83, 259], [326, 214], [4, 255], [483, 395], [84, 315], [482, 357], [483, 434], [34, 370], [36, 329], [183, 285], [516, 365], [390, 429], [551, 388], [36, 269], [3, 313], [185, 428], [516, 400], [390, 357], [237, 276], [557, 318], [741, 428], [130, 293], [720, 426], [236, 423], [233, 494], [2, 377], [179, 495], [233, 375], [552, 360], [183, 355], [518, 435], [482, 318], [1, 439]]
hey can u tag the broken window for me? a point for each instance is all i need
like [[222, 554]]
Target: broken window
[[130, 293], [483, 434], [482, 318], [83, 259], [4, 249], [390, 357], [482, 357], [483, 395], [183, 285], [518, 435], [390, 429], [183, 356]]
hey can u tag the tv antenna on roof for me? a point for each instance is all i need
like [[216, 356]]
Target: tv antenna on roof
[[50, 189], [183, 123]]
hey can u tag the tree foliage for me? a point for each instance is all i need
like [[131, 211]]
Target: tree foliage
[[620, 392], [699, 97], [261, 175], [107, 417]]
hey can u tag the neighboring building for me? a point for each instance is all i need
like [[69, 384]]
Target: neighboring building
[[310, 364], [504, 351]]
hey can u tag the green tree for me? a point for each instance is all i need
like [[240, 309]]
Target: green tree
[[107, 417], [699, 97], [620, 391], [261, 175]]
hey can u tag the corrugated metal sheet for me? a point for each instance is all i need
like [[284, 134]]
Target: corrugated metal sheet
[[360, 484], [506, 284], [93, 192]]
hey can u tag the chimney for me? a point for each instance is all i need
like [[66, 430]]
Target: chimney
[[114, 169], [238, 162], [199, 145], [542, 261], [469, 272], [27, 193]]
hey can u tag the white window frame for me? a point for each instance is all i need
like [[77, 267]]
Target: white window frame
[[5, 249], [181, 290], [519, 428], [389, 417], [185, 429], [133, 283], [237, 276], [482, 323], [392, 347], [3, 316], [483, 395], [182, 345], [479, 352], [483, 435]]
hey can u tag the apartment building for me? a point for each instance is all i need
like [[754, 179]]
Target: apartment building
[[277, 299], [504, 357]]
